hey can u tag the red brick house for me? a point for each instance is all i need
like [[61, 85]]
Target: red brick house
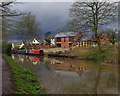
[[103, 40], [66, 39]]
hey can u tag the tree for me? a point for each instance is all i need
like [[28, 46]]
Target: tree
[[47, 36], [90, 16], [5, 13], [4, 44], [27, 27], [111, 35], [8, 48]]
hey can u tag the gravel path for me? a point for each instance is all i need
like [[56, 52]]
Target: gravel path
[[7, 85]]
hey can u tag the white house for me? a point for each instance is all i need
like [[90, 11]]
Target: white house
[[22, 45], [38, 42], [15, 45], [52, 42], [35, 42]]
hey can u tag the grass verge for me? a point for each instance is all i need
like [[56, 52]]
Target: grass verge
[[25, 81], [95, 54], [109, 53]]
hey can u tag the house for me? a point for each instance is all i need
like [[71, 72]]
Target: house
[[85, 41], [38, 42], [103, 40], [15, 46], [52, 42], [22, 45], [66, 39]]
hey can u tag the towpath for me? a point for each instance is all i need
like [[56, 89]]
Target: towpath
[[7, 84]]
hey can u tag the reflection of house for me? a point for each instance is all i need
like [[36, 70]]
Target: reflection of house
[[34, 63], [66, 39], [67, 67], [62, 67], [79, 72]]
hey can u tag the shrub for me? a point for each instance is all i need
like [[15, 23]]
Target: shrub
[[8, 48], [95, 54]]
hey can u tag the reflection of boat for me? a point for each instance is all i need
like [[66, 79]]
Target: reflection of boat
[[32, 58]]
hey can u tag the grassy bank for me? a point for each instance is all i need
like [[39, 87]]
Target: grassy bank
[[25, 81], [109, 53]]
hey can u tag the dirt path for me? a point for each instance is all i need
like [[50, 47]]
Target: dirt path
[[7, 85]]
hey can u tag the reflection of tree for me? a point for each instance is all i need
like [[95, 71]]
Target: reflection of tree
[[97, 80], [31, 68], [112, 81], [47, 64], [25, 65]]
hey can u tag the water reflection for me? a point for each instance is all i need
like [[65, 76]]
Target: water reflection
[[67, 76]]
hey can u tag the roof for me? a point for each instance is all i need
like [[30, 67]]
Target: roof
[[66, 34], [99, 37], [42, 40], [85, 38]]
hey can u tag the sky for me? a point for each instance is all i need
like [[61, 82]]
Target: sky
[[51, 15]]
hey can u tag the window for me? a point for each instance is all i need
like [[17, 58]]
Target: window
[[70, 45], [64, 39], [101, 38], [58, 45], [58, 39], [71, 39]]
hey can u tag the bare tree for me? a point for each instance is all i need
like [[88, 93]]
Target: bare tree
[[89, 16], [27, 27], [111, 35], [47, 36], [5, 13]]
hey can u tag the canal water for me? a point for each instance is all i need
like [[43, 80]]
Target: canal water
[[71, 76]]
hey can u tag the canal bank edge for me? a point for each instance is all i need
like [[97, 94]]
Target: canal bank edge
[[25, 81], [108, 55]]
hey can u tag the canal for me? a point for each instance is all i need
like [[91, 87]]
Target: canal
[[71, 76]]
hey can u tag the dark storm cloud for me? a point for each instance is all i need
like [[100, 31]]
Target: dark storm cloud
[[51, 15]]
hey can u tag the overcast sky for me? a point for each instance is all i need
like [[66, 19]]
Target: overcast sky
[[51, 15]]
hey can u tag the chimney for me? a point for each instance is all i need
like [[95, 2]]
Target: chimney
[[58, 31]]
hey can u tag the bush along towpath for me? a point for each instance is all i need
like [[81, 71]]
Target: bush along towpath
[[25, 81]]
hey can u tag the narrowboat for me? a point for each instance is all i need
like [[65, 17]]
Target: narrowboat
[[31, 52], [22, 51], [36, 52]]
